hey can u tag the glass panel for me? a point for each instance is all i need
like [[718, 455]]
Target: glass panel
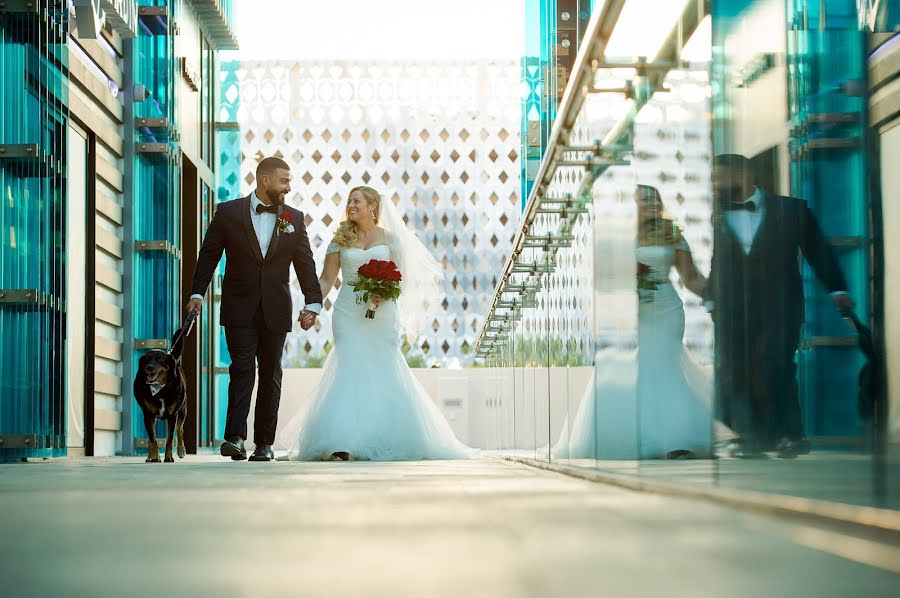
[[543, 395], [670, 170], [33, 127], [787, 362], [228, 170], [208, 88], [612, 410], [556, 294], [523, 410], [714, 348], [553, 34], [885, 421], [157, 196]]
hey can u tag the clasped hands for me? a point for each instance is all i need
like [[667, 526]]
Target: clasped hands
[[307, 319]]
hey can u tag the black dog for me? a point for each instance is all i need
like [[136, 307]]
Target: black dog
[[159, 390]]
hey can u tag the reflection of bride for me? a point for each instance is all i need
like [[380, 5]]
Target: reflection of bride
[[673, 395]]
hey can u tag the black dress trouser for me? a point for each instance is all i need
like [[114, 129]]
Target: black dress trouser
[[757, 379], [248, 346]]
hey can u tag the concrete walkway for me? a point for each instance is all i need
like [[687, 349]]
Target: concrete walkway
[[205, 527]]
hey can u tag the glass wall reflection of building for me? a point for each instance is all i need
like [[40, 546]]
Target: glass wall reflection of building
[[108, 169], [554, 31], [662, 302]]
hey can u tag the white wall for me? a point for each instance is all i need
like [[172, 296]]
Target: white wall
[[477, 402], [890, 206], [76, 253]]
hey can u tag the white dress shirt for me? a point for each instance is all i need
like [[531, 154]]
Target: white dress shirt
[[745, 223], [745, 226], [264, 227], [263, 224]]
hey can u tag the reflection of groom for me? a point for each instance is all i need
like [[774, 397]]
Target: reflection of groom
[[261, 238], [756, 292]]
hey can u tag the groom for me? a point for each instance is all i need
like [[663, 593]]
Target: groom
[[261, 238], [756, 295]]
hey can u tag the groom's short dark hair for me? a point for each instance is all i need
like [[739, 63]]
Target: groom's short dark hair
[[734, 161], [269, 165]]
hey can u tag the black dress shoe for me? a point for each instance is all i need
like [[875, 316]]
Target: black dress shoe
[[741, 448], [263, 452], [680, 454], [744, 452], [234, 449], [790, 449]]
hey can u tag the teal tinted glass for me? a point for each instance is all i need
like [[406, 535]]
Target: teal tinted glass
[[33, 128]]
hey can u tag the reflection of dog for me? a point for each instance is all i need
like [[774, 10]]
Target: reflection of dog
[[159, 390]]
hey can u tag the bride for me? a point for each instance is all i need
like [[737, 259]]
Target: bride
[[369, 406], [673, 395]]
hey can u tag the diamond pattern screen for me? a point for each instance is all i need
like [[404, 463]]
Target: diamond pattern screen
[[439, 139]]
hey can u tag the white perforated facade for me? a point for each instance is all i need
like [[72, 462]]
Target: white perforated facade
[[440, 139]]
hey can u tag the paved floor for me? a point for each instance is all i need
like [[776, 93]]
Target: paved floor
[[832, 476], [204, 527]]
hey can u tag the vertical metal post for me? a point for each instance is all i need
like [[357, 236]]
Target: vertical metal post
[[128, 254]]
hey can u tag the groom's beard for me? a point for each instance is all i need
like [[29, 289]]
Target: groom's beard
[[275, 197], [727, 195]]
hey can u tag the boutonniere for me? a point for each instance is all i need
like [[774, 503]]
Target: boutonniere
[[285, 223]]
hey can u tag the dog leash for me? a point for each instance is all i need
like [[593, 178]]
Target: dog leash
[[185, 329]]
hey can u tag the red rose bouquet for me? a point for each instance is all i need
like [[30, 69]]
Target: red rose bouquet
[[646, 282], [377, 277]]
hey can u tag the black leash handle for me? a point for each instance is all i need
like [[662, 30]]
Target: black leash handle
[[185, 329], [854, 319]]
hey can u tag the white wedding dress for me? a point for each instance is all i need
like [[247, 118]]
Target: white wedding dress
[[648, 402], [368, 403]]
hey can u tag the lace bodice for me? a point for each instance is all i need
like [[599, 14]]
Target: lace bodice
[[659, 258], [354, 257]]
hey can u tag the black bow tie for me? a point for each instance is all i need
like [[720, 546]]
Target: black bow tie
[[747, 205], [272, 209]]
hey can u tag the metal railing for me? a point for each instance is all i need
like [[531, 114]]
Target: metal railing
[[594, 158]]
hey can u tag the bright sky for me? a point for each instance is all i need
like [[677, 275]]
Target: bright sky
[[380, 29], [642, 27]]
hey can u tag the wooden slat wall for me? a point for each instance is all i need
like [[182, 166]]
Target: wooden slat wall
[[93, 104]]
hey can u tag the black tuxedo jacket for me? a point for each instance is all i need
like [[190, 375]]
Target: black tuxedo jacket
[[250, 279], [765, 287]]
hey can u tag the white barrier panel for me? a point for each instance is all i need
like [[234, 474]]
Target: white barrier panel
[[477, 402]]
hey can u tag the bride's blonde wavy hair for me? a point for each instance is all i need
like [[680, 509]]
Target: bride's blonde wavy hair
[[662, 230], [345, 235]]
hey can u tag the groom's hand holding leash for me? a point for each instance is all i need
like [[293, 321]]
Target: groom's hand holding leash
[[194, 305], [307, 319], [843, 303]]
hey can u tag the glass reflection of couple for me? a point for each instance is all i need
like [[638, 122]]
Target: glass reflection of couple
[[673, 394], [756, 300]]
